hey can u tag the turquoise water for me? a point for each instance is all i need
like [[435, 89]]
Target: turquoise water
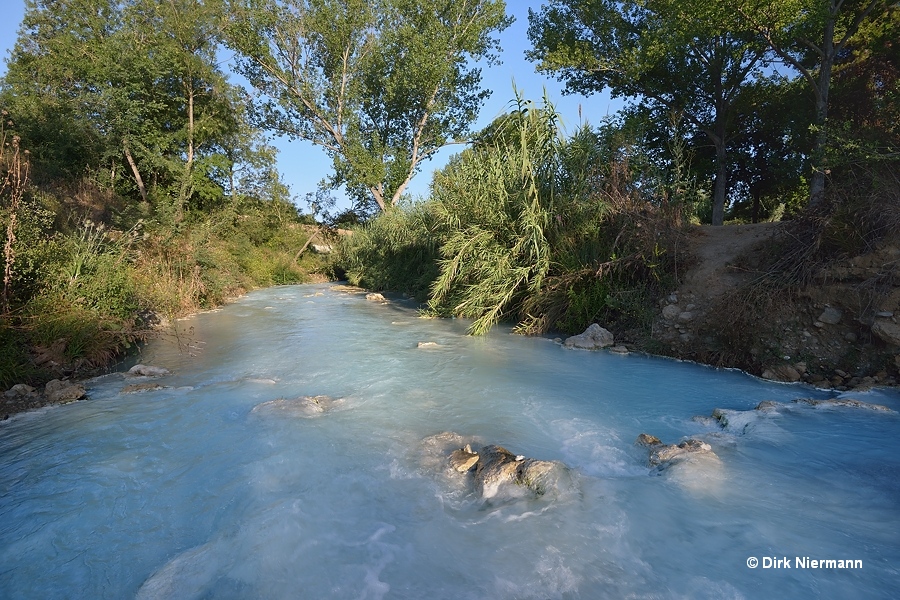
[[185, 493]]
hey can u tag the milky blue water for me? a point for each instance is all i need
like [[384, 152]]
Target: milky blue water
[[184, 492]]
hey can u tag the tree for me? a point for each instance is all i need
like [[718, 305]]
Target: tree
[[128, 93], [673, 55], [810, 36], [381, 86]]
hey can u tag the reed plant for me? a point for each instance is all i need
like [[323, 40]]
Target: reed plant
[[542, 231], [397, 250]]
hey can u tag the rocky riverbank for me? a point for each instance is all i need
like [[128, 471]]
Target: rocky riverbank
[[840, 330]]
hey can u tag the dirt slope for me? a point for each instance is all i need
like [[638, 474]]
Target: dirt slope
[[836, 332]]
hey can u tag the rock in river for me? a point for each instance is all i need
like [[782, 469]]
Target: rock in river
[[306, 407], [594, 337]]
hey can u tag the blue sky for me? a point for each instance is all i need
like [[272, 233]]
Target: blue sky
[[303, 165]]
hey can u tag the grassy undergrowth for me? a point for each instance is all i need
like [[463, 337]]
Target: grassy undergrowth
[[79, 292]]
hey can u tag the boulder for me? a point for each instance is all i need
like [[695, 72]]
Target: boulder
[[671, 312], [147, 371], [59, 391], [427, 345], [499, 472], [375, 297], [831, 315], [785, 373], [594, 337], [887, 331], [19, 390]]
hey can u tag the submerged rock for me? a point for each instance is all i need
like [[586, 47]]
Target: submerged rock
[[594, 337], [427, 345], [648, 441], [306, 407], [842, 402], [136, 388], [664, 455], [691, 463], [62, 392], [148, 371]]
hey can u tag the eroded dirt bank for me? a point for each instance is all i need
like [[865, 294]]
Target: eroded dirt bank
[[839, 329]]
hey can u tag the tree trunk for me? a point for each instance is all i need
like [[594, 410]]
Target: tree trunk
[[137, 174], [721, 186], [186, 187], [817, 183]]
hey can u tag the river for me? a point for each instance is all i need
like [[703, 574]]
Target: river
[[186, 492]]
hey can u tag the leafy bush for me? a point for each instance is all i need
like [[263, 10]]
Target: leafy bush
[[397, 250]]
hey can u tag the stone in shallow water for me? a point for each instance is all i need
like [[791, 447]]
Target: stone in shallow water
[[671, 453], [463, 459], [841, 403], [647, 440], [594, 337], [142, 387], [767, 405], [306, 407], [63, 392], [147, 371], [500, 473]]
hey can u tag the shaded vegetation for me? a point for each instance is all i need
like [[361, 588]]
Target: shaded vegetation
[[531, 227]]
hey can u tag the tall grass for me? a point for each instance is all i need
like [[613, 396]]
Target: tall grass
[[398, 250], [543, 233]]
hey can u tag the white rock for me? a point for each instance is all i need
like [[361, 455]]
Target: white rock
[[593, 337], [147, 371]]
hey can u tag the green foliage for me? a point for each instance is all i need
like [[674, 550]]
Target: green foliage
[[397, 250], [688, 58], [130, 95], [380, 86], [539, 232]]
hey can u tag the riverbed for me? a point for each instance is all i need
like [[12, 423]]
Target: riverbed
[[187, 492]]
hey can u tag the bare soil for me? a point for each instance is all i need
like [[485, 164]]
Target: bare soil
[[718, 314]]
